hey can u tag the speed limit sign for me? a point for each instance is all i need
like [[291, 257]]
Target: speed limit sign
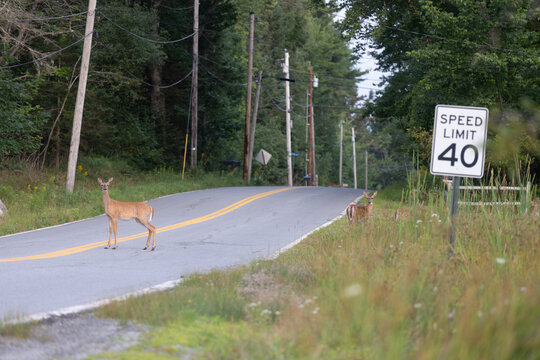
[[459, 141]]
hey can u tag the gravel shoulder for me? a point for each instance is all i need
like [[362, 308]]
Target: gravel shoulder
[[72, 337]]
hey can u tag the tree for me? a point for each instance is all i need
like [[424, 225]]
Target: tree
[[469, 52]]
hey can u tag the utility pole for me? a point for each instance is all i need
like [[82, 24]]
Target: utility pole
[[248, 97], [310, 116], [288, 118], [308, 173], [354, 158], [79, 105], [313, 82], [254, 124], [341, 153], [195, 78], [366, 183]]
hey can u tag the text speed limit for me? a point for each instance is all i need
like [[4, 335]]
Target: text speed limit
[[459, 141]]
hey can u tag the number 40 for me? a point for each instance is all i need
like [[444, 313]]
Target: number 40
[[453, 159]]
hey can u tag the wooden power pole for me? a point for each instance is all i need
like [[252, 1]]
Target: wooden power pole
[[254, 124], [79, 105], [248, 96], [194, 94]]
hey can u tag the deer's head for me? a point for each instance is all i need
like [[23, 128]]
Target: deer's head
[[370, 198], [104, 185]]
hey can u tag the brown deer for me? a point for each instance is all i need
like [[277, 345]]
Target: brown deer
[[140, 211], [359, 212], [401, 214]]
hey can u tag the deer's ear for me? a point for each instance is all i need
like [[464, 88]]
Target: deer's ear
[[375, 194], [111, 179], [365, 194], [100, 181]]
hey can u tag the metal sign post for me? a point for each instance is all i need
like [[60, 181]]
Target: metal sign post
[[458, 149], [453, 211]]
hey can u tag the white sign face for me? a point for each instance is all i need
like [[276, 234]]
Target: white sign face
[[263, 157], [459, 141]]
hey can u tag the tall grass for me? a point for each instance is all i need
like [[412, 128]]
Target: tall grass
[[383, 289]]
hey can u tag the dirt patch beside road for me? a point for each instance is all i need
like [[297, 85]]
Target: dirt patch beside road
[[71, 337]]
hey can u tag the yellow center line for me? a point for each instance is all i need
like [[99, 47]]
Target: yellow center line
[[86, 247]]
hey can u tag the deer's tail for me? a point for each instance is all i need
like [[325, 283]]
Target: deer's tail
[[151, 215], [350, 212]]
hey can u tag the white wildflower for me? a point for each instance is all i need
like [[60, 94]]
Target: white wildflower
[[315, 311], [500, 260], [352, 290], [417, 306]]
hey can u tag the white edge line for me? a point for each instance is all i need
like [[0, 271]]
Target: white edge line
[[152, 289], [95, 304]]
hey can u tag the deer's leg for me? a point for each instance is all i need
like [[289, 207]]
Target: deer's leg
[[151, 232], [154, 230], [115, 226], [110, 233]]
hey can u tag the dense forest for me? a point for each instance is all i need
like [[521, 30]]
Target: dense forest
[[138, 97]]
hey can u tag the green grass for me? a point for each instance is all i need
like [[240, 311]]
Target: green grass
[[39, 199], [383, 289]]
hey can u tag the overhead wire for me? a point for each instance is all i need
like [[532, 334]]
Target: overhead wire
[[160, 86], [46, 56], [44, 19], [177, 9], [145, 38]]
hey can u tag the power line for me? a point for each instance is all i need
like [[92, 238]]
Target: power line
[[142, 81], [46, 56], [177, 9], [45, 19], [466, 42], [216, 63], [221, 80], [145, 38]]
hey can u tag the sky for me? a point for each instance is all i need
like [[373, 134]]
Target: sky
[[372, 78]]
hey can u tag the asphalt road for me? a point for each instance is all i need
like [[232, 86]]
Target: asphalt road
[[65, 268]]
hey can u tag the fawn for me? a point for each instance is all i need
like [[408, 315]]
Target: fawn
[[141, 212], [401, 213], [358, 212]]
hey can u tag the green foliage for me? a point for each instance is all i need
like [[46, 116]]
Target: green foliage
[[20, 122], [463, 53]]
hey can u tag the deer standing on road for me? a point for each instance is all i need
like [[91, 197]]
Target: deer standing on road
[[140, 211], [359, 212]]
